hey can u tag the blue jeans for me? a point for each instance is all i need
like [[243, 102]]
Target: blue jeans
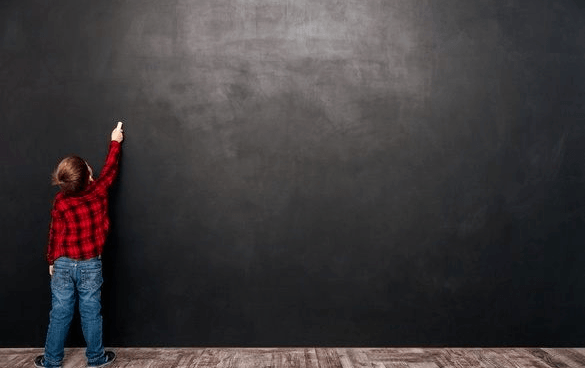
[[72, 280]]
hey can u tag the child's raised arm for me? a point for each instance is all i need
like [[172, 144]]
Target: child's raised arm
[[110, 169]]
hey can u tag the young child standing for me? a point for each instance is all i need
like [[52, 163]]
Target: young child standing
[[79, 227]]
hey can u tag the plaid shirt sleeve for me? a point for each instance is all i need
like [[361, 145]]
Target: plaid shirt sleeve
[[56, 235], [110, 169]]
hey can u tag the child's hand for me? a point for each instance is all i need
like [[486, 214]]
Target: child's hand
[[118, 133], [51, 270]]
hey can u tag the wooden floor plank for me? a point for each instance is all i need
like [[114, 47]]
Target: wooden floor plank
[[216, 358], [401, 357], [547, 358], [459, 358], [515, 358], [571, 357], [308, 357], [353, 358], [311, 358], [75, 358], [328, 358], [189, 359]]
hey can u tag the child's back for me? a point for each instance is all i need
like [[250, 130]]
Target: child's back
[[80, 221]]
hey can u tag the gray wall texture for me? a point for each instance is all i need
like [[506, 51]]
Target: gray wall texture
[[325, 172]]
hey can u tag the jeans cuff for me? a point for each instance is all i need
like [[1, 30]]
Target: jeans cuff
[[101, 360], [49, 364]]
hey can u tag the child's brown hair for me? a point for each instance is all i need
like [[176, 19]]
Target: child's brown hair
[[71, 175]]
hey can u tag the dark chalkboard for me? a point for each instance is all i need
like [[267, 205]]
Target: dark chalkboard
[[324, 172]]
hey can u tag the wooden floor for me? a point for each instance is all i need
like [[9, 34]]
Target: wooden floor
[[316, 357]]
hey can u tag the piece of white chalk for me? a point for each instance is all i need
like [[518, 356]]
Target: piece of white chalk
[[119, 125]]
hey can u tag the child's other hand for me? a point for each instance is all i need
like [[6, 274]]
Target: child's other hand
[[118, 133], [51, 270]]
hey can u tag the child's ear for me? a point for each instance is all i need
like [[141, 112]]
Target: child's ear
[[90, 172]]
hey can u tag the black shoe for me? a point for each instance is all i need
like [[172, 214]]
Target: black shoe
[[40, 361], [110, 357]]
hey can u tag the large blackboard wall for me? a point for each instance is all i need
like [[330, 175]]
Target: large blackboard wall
[[307, 172]]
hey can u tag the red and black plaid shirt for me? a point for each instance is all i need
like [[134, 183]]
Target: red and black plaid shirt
[[80, 223]]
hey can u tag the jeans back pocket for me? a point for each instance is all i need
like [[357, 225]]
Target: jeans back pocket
[[61, 279], [91, 279]]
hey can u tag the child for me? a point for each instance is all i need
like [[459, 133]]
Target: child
[[79, 226]]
